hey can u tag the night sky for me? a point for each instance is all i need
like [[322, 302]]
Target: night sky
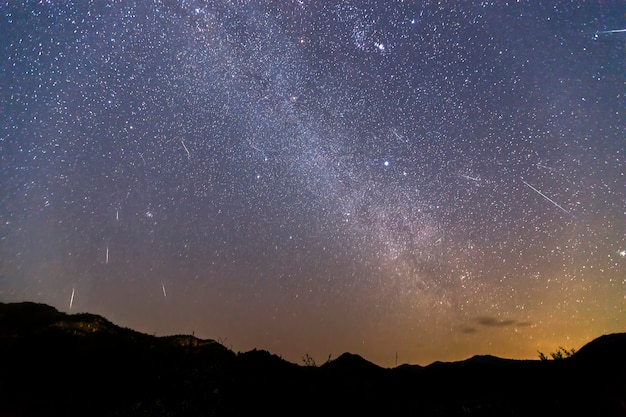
[[314, 177]]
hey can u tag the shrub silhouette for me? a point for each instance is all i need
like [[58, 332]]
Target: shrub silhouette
[[308, 361], [561, 353]]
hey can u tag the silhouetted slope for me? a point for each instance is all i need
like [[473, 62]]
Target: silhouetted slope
[[58, 364], [609, 347], [351, 364], [22, 318], [600, 366], [83, 364]]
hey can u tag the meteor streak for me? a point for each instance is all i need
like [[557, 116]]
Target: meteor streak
[[547, 198], [164, 293], [544, 167], [186, 150], [470, 178], [396, 134], [611, 31], [72, 297]]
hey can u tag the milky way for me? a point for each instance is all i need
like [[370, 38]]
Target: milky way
[[432, 181]]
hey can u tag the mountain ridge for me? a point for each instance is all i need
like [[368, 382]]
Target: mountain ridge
[[57, 356]]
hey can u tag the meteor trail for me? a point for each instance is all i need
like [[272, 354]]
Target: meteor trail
[[106, 259], [544, 167], [164, 293], [396, 133], [611, 31], [186, 150], [470, 178], [72, 297], [597, 34], [547, 198]]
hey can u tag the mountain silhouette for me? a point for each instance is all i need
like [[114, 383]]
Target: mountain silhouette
[[82, 364]]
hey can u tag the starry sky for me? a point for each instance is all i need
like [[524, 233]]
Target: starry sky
[[408, 178]]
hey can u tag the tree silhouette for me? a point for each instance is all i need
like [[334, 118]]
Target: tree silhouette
[[561, 353]]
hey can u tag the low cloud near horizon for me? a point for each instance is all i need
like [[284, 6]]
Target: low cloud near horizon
[[494, 322], [488, 321]]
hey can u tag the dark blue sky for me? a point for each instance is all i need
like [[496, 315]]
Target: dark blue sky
[[319, 177]]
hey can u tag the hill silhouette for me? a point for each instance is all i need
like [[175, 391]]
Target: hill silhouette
[[82, 364]]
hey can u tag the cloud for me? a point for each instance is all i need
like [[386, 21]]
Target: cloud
[[494, 322], [469, 330], [489, 321]]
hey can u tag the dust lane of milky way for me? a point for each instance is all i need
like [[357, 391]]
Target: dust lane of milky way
[[406, 180]]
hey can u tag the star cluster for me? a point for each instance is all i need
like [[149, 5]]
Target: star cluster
[[380, 177]]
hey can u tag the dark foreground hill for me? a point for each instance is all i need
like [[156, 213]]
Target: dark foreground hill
[[55, 364]]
